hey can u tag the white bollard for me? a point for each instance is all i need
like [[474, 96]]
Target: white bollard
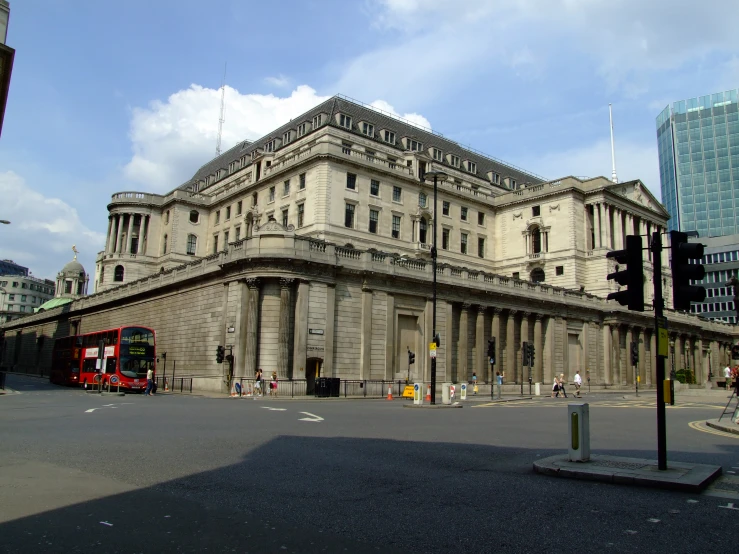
[[537, 389], [417, 395], [578, 420], [463, 394], [445, 394]]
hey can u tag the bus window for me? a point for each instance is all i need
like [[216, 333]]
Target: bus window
[[110, 365]]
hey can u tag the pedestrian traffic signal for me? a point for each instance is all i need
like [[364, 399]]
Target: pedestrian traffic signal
[[634, 353], [532, 354], [411, 357], [491, 350], [735, 352], [220, 354], [632, 276], [683, 293], [525, 353]]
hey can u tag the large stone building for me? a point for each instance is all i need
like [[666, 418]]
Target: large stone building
[[308, 251], [20, 292]]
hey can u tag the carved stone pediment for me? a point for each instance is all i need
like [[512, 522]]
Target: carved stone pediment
[[273, 227]]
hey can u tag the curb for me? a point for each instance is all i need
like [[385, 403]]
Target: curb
[[433, 406], [730, 428]]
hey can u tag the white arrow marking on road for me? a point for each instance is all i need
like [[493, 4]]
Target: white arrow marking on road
[[274, 409], [729, 506], [653, 520], [691, 501], [92, 410], [313, 417]]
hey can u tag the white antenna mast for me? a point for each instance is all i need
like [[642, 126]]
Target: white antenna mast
[[613, 150], [223, 110]]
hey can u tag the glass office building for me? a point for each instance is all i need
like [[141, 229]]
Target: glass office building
[[698, 142]]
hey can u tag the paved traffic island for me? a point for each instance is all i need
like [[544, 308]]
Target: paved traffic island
[[724, 425], [631, 471]]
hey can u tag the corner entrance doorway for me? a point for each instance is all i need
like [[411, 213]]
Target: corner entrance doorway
[[313, 370]]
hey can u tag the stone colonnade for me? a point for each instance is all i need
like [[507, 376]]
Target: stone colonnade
[[123, 228]]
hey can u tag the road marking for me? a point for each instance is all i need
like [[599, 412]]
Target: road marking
[[640, 404], [653, 520], [729, 506], [691, 501], [701, 426], [313, 417], [273, 409]]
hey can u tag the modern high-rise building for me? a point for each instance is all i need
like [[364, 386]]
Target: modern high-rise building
[[698, 142]]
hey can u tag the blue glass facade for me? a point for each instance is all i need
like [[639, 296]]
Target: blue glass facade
[[698, 145]]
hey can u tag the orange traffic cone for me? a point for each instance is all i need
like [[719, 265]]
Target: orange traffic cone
[[428, 393], [166, 385], [390, 392]]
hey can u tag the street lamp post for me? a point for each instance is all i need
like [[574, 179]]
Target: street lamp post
[[438, 176]]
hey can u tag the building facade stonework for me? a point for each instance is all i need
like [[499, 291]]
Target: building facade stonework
[[309, 251]]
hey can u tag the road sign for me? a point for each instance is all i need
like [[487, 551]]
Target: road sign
[[114, 380]]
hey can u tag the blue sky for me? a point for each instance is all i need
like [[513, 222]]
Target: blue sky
[[109, 96]]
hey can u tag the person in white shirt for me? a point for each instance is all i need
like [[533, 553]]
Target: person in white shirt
[[578, 383], [149, 382], [727, 376]]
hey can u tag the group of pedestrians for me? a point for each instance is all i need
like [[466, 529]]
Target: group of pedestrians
[[732, 376], [558, 385], [259, 380]]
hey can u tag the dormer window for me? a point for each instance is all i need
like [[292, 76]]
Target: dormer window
[[471, 167], [513, 184], [496, 178], [388, 136], [437, 154], [453, 160], [368, 129], [233, 166], [345, 121], [221, 174], [195, 187], [302, 129], [287, 137], [413, 145], [270, 146], [317, 121]]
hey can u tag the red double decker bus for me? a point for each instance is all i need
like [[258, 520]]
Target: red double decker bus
[[129, 352]]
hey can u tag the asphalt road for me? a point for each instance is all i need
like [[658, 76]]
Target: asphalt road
[[84, 473]]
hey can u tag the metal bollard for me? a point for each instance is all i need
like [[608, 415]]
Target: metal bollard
[[578, 420]]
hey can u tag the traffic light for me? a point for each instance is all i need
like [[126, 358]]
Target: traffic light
[[411, 357], [220, 354], [525, 353], [634, 353], [735, 352], [532, 354], [632, 277], [437, 340], [683, 293], [491, 350]]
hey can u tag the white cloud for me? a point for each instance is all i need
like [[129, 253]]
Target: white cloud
[[413, 118], [171, 139], [634, 160], [43, 230], [279, 81]]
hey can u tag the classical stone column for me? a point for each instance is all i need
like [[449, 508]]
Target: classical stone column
[[300, 348], [496, 335], [365, 346], [448, 344], [283, 337], [607, 354], [524, 374], [480, 344], [629, 366], [700, 369], [607, 210], [596, 225], [549, 344], [252, 328], [538, 349], [679, 364], [129, 235], [462, 356], [118, 234], [585, 350], [390, 337], [144, 235], [510, 348], [619, 374], [328, 349], [618, 229], [108, 234]]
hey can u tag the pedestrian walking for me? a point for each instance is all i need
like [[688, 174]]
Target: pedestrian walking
[[555, 387], [727, 376], [273, 384], [499, 383], [578, 384], [562, 384], [474, 383], [258, 383], [149, 382]]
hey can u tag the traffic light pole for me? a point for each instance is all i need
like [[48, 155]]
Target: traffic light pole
[[658, 315]]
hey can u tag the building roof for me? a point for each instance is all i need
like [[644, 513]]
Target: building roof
[[380, 120], [53, 303], [73, 268]]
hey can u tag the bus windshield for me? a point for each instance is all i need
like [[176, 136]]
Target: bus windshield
[[137, 335], [136, 367]]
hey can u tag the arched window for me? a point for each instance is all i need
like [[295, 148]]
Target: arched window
[[422, 228], [537, 275], [254, 198], [164, 245], [194, 216], [422, 199], [535, 240], [118, 274], [102, 274], [192, 243]]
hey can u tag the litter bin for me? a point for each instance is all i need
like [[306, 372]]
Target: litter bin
[[445, 394], [322, 387], [334, 387]]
